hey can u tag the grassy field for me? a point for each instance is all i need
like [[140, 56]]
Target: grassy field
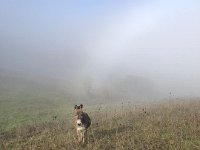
[[25, 101], [173, 124], [18, 111]]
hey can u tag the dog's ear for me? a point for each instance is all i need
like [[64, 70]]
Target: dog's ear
[[81, 106], [75, 107]]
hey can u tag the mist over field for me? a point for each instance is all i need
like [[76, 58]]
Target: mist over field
[[101, 50], [134, 65]]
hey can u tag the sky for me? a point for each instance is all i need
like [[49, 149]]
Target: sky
[[159, 40]]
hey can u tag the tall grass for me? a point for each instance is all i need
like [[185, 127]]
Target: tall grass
[[162, 125]]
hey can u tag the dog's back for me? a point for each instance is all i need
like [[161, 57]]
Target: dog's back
[[87, 120]]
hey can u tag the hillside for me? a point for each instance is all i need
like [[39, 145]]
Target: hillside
[[27, 99], [162, 125]]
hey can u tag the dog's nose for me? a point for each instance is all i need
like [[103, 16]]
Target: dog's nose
[[79, 124]]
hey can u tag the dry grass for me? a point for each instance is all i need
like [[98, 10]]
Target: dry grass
[[166, 125]]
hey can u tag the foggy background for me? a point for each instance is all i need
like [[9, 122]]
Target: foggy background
[[101, 50]]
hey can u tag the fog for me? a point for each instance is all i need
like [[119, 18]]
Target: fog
[[134, 49]]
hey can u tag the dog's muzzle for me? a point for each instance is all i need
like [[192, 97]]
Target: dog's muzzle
[[79, 122]]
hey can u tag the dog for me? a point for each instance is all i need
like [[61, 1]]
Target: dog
[[82, 123]]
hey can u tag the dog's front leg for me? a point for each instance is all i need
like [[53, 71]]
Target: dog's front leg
[[79, 135]]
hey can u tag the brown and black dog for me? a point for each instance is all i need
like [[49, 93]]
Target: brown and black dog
[[82, 123]]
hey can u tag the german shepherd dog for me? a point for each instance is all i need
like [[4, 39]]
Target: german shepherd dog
[[82, 123]]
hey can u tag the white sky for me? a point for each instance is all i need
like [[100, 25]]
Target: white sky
[[159, 39]]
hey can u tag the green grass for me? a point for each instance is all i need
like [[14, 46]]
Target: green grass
[[22, 110], [161, 125]]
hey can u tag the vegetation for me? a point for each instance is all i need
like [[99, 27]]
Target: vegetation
[[173, 124], [26, 99]]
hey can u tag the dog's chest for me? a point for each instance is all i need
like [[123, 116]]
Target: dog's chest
[[80, 128]]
